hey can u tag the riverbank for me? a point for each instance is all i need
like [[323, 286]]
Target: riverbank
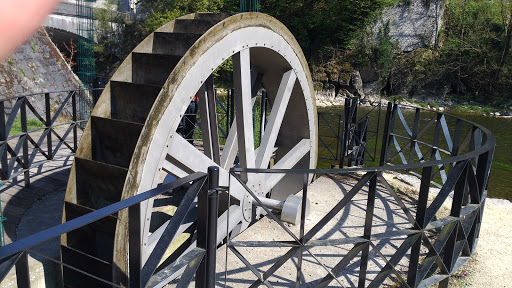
[[328, 98]]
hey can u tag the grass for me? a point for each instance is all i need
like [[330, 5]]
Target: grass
[[32, 124], [474, 108]]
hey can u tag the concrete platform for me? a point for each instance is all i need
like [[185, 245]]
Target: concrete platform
[[30, 210]]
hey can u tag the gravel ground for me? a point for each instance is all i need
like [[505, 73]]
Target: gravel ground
[[493, 259]]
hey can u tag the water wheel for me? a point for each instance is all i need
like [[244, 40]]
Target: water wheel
[[131, 141]]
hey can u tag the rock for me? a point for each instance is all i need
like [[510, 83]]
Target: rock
[[373, 88], [409, 179], [34, 67], [441, 109], [497, 114], [501, 203], [412, 25], [369, 73], [355, 81], [344, 79]]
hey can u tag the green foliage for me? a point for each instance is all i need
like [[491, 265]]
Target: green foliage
[[433, 104], [10, 62], [163, 11], [22, 72], [223, 75], [363, 47], [397, 99], [34, 47], [384, 50], [109, 32], [474, 108], [116, 41], [475, 55], [324, 26]]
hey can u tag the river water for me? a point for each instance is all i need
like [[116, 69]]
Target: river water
[[500, 184]]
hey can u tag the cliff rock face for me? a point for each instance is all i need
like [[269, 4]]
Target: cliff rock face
[[414, 26], [414, 23], [37, 66]]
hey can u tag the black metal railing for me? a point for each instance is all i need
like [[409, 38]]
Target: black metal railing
[[426, 242], [198, 262], [349, 138], [55, 135]]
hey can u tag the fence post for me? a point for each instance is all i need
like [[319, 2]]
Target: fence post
[[48, 125], [206, 231], [385, 135], [75, 135], [344, 131], [228, 108], [338, 137], [135, 242], [3, 145], [26, 165], [211, 245], [421, 211], [22, 271], [232, 107], [368, 224]]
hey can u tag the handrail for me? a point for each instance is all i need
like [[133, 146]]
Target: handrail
[[50, 92], [20, 157], [15, 254], [466, 178], [45, 235]]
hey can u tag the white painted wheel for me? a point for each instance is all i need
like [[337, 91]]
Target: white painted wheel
[[265, 55]]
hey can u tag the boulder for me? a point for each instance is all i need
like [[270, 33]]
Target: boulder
[[369, 74], [355, 81], [356, 84]]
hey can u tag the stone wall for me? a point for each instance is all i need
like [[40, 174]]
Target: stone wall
[[36, 67], [415, 24]]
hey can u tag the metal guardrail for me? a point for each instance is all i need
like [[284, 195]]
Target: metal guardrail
[[198, 262], [433, 246], [455, 158], [18, 152], [343, 137]]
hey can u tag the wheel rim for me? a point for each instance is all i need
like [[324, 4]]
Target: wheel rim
[[253, 40]]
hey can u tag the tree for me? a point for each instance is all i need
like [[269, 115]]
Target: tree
[[323, 27], [475, 56]]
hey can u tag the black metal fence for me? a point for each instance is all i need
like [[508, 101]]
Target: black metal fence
[[428, 242], [428, 245], [54, 135], [349, 138], [198, 262]]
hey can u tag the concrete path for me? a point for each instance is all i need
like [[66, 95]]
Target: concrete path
[[324, 194]]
